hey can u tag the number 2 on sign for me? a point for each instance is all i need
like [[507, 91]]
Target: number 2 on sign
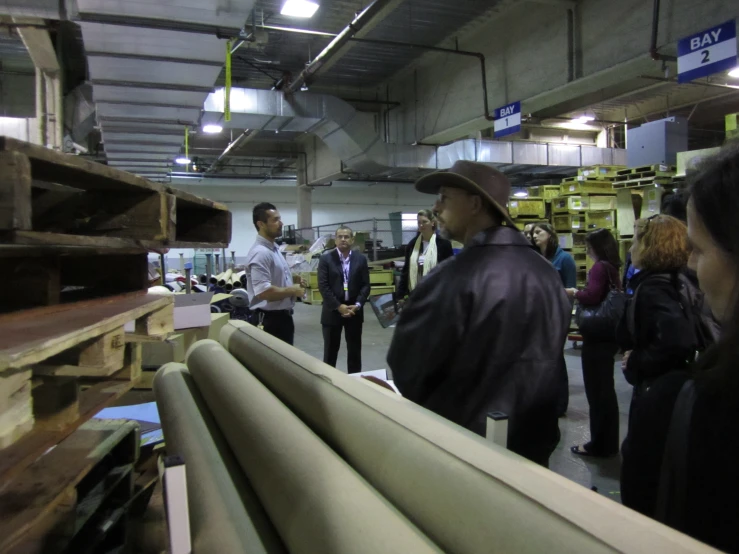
[[705, 55]]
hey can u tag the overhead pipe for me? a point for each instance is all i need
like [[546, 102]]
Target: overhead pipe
[[570, 45], [242, 139], [337, 43], [655, 31], [347, 36]]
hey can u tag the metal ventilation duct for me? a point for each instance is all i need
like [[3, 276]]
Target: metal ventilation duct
[[351, 136], [43, 9], [148, 84]]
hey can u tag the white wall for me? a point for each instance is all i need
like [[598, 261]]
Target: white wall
[[331, 205]]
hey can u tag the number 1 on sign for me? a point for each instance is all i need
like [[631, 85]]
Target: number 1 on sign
[[506, 122]]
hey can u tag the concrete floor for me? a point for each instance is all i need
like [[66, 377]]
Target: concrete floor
[[589, 472]]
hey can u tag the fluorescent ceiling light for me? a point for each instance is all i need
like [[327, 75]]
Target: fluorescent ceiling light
[[583, 119], [734, 73], [299, 8], [212, 129], [521, 194], [182, 160]]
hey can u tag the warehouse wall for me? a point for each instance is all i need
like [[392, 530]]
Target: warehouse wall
[[526, 51], [331, 205]]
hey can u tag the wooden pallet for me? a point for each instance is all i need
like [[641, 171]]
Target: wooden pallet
[[49, 198], [600, 171], [584, 179], [44, 275], [642, 175], [68, 499], [644, 182], [644, 168], [47, 354]]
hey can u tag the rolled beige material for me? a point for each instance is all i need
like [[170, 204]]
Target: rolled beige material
[[225, 277], [316, 501], [225, 513], [466, 494]]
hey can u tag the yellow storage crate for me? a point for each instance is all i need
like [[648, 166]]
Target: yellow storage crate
[[566, 204], [572, 241], [603, 171], [547, 192], [569, 188], [381, 277], [580, 257], [379, 290], [313, 296], [585, 221], [311, 277], [530, 207]]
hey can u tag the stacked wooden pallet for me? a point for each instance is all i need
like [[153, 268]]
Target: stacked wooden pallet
[[74, 237], [528, 210], [645, 176]]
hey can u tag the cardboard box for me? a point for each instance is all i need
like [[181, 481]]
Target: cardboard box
[[192, 310]]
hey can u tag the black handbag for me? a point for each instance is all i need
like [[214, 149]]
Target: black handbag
[[600, 322]]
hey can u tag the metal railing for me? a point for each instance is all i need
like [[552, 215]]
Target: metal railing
[[380, 236]]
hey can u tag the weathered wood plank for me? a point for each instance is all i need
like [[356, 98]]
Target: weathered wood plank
[[15, 191], [18, 456], [74, 171], [32, 336]]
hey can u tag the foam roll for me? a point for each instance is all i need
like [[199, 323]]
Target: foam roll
[[466, 494], [225, 513], [315, 500]]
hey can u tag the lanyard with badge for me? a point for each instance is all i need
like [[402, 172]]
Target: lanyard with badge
[[345, 270]]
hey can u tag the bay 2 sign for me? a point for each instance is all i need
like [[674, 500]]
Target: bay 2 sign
[[707, 52], [507, 120]]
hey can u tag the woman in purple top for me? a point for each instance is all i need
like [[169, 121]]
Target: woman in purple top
[[598, 354]]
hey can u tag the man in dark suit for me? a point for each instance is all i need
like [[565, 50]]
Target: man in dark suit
[[343, 279]]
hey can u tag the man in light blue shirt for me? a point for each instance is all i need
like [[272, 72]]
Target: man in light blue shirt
[[269, 283]]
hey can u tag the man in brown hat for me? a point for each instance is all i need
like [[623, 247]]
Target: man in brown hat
[[484, 331]]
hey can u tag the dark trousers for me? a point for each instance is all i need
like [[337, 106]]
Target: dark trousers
[[332, 341], [279, 324], [563, 396], [597, 373]]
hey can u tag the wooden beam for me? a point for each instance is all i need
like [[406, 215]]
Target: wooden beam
[[15, 191]]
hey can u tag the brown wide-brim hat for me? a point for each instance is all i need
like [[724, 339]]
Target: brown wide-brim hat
[[485, 181]]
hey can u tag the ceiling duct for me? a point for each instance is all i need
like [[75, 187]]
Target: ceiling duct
[[352, 137], [149, 83]]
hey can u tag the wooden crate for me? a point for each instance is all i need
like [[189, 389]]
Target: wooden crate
[[381, 277], [527, 207], [600, 171], [46, 354], [313, 296], [573, 204], [585, 221], [50, 198], [547, 192], [586, 186], [571, 241], [644, 168], [377, 291]]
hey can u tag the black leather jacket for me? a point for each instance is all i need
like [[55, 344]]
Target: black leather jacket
[[484, 331]]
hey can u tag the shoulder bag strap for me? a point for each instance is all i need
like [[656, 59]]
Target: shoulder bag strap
[[673, 482]]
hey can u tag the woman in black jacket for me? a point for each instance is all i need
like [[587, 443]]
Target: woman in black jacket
[[680, 466], [656, 332], [421, 256]]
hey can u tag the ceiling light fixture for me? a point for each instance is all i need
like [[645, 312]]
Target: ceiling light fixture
[[212, 129], [583, 119], [182, 160], [299, 8], [734, 73], [521, 194]]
